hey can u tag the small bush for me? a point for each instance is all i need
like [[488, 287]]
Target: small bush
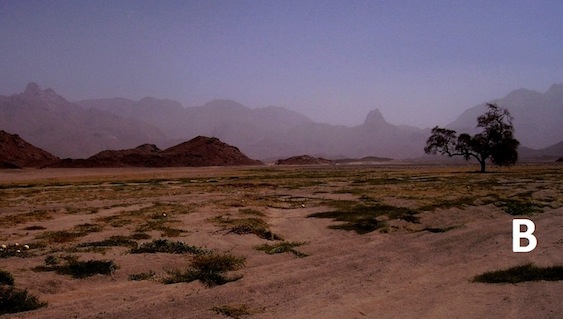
[[440, 229], [78, 269], [51, 260], [142, 276], [35, 227], [516, 208], [233, 311], [14, 300], [250, 225], [527, 272], [167, 246], [6, 278], [111, 242], [282, 247], [210, 269]]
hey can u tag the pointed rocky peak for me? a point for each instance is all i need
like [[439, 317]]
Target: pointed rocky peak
[[374, 118], [32, 89]]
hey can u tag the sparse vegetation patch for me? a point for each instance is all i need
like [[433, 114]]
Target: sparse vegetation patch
[[17, 219], [111, 242], [440, 229], [167, 246], [527, 272], [210, 269], [6, 278], [234, 311], [142, 276], [77, 269], [517, 207], [282, 247], [250, 225], [365, 217], [14, 300]]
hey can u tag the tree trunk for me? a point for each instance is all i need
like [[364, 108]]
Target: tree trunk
[[482, 163]]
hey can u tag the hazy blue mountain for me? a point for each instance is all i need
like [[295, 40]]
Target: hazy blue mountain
[[270, 132], [226, 119], [49, 121], [538, 117], [549, 153], [86, 127]]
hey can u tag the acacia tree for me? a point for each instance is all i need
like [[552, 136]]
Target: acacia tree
[[495, 142]]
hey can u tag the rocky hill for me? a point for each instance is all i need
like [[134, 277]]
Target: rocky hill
[[200, 151], [16, 152]]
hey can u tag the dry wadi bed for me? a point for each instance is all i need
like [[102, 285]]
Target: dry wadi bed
[[437, 227]]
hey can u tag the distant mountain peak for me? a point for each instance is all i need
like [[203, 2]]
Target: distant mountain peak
[[33, 91], [374, 118]]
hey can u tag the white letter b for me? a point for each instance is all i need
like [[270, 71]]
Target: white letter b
[[528, 234]]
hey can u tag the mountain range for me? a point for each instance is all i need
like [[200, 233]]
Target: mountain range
[[83, 128], [537, 116]]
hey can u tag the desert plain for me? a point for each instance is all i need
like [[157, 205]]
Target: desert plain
[[409, 243]]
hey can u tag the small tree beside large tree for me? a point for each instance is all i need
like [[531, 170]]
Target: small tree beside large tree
[[495, 142]]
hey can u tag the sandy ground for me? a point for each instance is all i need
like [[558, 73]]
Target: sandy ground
[[400, 274]]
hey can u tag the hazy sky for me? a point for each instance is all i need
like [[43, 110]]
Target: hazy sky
[[420, 62]]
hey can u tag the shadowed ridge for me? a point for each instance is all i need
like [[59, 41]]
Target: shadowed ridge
[[16, 152]]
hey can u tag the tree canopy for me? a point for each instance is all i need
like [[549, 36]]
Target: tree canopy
[[495, 142]]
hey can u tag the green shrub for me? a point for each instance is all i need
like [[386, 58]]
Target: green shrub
[[14, 300], [282, 247], [142, 276], [167, 246], [440, 229], [363, 217], [250, 225], [516, 208], [210, 269], [527, 272], [76, 268], [6, 278], [111, 242], [233, 311]]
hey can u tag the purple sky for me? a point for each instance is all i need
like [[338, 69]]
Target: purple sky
[[420, 62]]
